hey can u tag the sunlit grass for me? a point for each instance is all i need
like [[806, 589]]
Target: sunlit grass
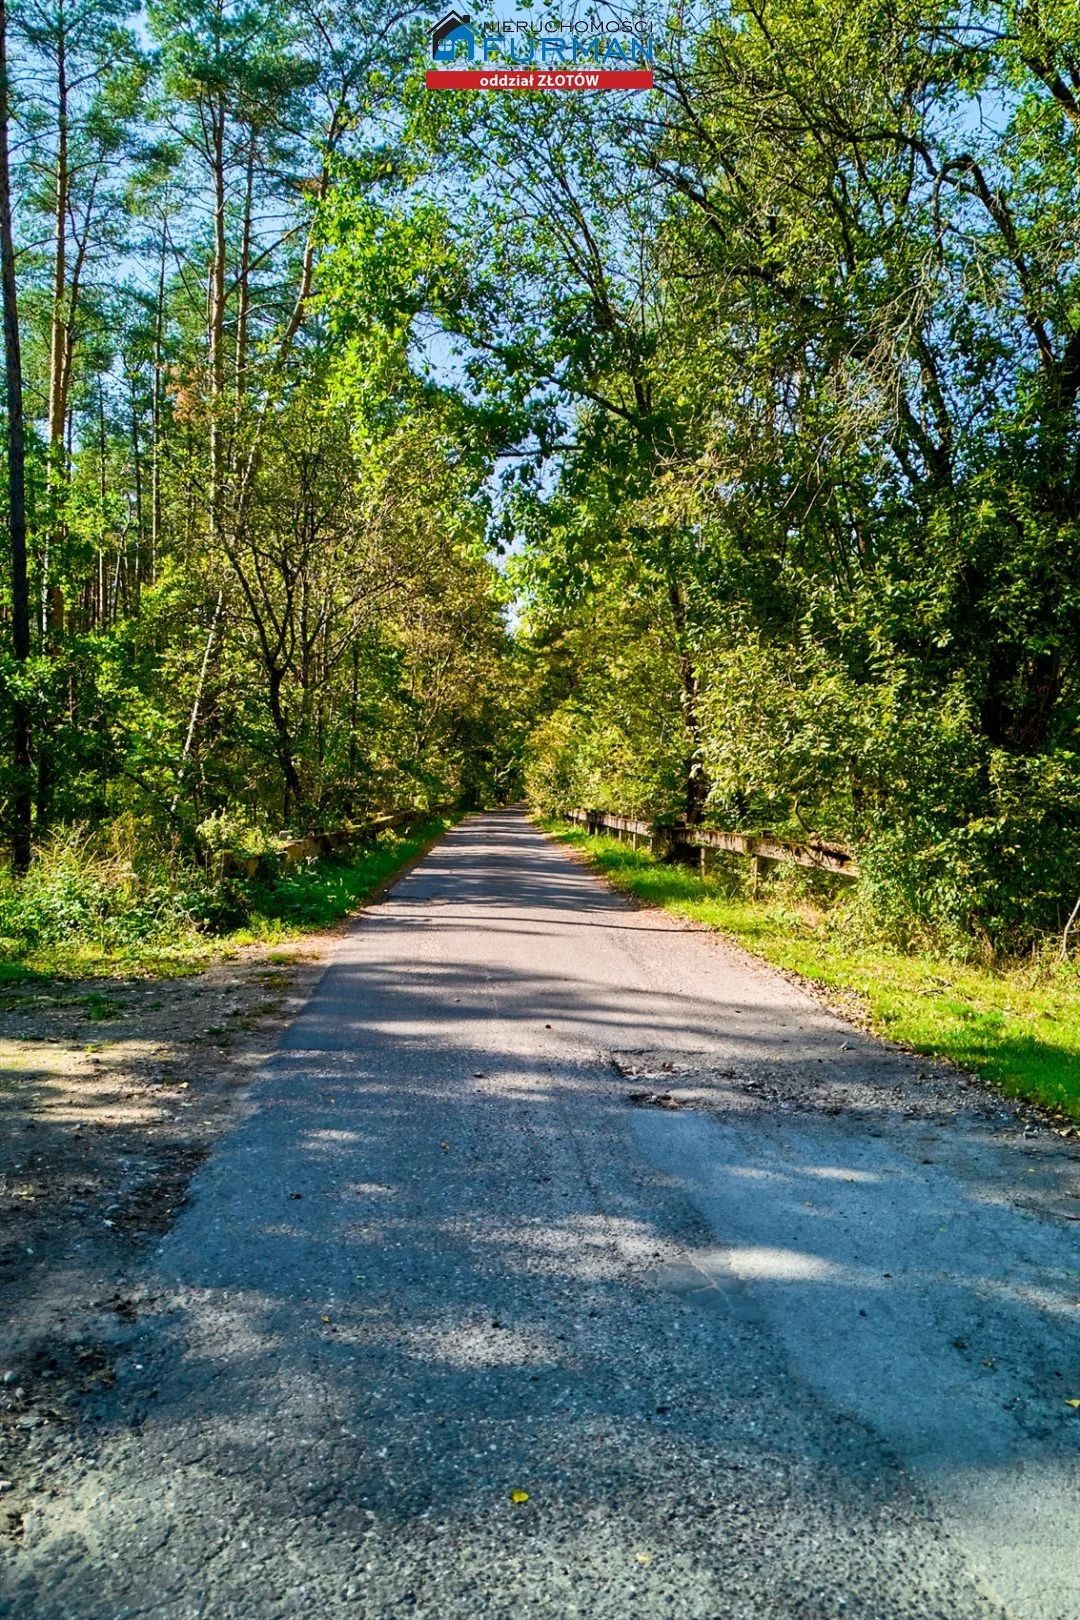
[[1017, 1024]]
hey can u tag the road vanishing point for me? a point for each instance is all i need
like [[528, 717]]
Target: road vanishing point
[[567, 1263]]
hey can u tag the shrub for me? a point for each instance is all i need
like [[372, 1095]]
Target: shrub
[[113, 888]]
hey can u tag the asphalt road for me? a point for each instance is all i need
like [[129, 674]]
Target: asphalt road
[[800, 1348]]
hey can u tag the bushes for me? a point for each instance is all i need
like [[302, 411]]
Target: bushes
[[626, 759], [111, 890], [120, 893], [997, 866], [964, 847]]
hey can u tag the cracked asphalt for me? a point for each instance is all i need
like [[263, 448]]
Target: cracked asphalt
[[452, 1328]]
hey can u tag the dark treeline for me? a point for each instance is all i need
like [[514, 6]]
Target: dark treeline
[[765, 384]]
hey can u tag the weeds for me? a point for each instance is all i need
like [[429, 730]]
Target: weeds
[[94, 905], [101, 1009]]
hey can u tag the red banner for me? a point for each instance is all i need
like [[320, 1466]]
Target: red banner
[[576, 78]]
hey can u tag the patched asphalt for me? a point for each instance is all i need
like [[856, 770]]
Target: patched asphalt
[[569, 1264]]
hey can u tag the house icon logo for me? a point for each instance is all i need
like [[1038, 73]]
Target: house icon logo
[[453, 30]]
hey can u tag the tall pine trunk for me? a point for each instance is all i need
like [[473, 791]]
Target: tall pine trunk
[[52, 596], [20, 595]]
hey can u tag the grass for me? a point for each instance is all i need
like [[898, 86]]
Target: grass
[[310, 898], [1016, 1024]]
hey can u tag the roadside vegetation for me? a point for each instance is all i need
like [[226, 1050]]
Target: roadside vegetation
[[1016, 1023], [89, 911]]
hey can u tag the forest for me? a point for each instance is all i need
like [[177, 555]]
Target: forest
[[710, 453]]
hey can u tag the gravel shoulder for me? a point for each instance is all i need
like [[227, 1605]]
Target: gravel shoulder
[[112, 1093]]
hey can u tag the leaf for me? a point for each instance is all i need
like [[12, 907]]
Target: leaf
[[1075, 1404], [519, 1496]]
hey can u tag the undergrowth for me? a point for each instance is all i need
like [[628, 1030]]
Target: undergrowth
[[1014, 1022], [101, 905]]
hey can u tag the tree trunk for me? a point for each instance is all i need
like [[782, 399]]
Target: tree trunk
[[20, 595], [155, 407], [216, 320], [243, 290], [293, 792], [58, 332], [103, 587], [197, 705], [136, 467], [52, 600], [696, 782]]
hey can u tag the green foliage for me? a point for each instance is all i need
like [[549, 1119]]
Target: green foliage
[[227, 832], [107, 891], [95, 901], [609, 754], [261, 586], [822, 402]]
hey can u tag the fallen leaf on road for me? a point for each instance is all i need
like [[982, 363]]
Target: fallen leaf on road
[[324, 1319], [519, 1496], [1075, 1404], [643, 1558]]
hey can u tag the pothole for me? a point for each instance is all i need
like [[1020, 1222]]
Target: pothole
[[664, 1063], [661, 1064], [658, 1099]]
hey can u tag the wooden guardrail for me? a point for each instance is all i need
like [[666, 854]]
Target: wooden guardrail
[[293, 850], [304, 849], [670, 840]]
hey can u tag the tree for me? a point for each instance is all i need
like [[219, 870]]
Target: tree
[[21, 802]]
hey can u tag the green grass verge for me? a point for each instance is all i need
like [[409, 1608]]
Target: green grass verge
[[308, 899], [1018, 1024]]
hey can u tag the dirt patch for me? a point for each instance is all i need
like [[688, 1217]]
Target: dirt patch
[[111, 1094]]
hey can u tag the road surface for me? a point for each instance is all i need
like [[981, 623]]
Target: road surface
[[800, 1348]]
